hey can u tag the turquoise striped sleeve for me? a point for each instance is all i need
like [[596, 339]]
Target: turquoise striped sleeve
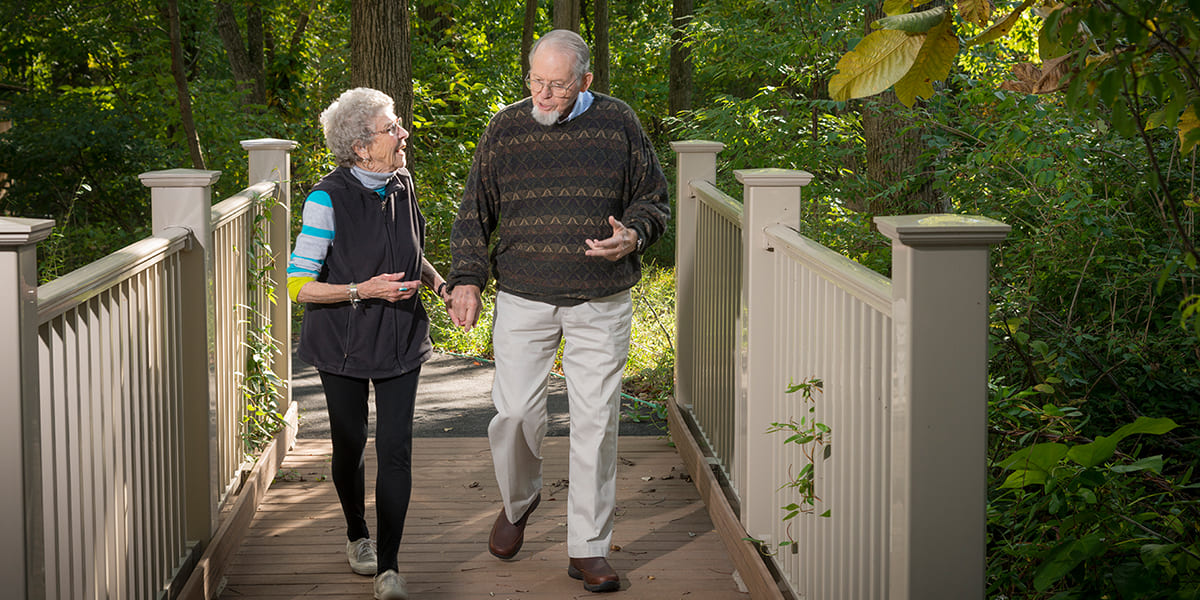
[[316, 235]]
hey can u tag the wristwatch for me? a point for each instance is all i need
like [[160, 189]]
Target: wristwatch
[[353, 291], [641, 242]]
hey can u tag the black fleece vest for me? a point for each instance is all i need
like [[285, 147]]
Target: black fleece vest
[[373, 235]]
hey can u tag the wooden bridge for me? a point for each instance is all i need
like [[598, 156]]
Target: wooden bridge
[[121, 427]]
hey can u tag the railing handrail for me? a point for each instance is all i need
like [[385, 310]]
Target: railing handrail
[[856, 279], [723, 204], [86, 282], [903, 365], [127, 344], [237, 204]]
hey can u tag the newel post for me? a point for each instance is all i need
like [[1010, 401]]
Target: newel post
[[271, 159], [696, 160], [21, 566], [939, 403], [770, 196], [182, 198]]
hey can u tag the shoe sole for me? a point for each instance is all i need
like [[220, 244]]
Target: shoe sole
[[607, 586]]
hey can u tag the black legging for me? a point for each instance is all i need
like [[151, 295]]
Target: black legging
[[346, 400]]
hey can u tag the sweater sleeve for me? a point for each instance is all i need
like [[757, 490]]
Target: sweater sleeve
[[647, 208], [312, 245], [476, 220]]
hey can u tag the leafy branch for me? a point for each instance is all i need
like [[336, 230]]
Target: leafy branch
[[813, 437]]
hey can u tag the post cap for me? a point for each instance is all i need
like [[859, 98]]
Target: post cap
[[180, 178], [943, 230], [773, 177], [690, 146], [269, 144], [20, 231]]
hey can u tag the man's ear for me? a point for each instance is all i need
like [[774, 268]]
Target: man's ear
[[587, 82]]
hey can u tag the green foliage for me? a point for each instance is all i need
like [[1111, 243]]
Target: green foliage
[[1088, 292], [813, 437], [260, 387], [1079, 519]]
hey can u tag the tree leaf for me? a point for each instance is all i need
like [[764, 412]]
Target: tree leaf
[[897, 7], [1090, 455], [1065, 557], [1040, 457], [933, 63], [978, 12], [878, 61], [1054, 75], [1023, 477], [1000, 28], [1151, 463], [918, 22], [1189, 130]]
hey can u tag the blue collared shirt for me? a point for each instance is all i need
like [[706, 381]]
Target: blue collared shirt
[[582, 103]]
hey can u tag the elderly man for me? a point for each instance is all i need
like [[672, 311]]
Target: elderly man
[[568, 187]]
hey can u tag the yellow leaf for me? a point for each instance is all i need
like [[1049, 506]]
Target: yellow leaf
[[933, 63], [978, 12], [877, 62], [1000, 28], [1189, 130], [896, 7]]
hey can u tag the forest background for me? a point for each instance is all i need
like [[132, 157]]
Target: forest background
[[1093, 294]]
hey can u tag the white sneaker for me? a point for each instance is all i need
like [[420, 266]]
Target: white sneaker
[[361, 554], [390, 586]]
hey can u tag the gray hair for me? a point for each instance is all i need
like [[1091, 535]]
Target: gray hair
[[565, 39], [349, 122]]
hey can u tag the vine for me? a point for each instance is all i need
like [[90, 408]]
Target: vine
[[260, 386], [813, 437]]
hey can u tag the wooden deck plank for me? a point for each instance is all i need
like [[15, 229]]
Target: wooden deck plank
[[668, 547]]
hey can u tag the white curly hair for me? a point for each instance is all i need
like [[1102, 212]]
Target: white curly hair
[[349, 122]]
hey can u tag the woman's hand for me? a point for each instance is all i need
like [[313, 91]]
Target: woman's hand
[[388, 286]]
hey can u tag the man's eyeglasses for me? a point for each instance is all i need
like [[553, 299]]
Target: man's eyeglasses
[[557, 89], [393, 128]]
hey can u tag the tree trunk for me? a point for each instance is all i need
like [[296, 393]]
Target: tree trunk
[[600, 54], [181, 85], [301, 25], [531, 13], [679, 83], [567, 14], [380, 56], [434, 13], [245, 55], [893, 159]]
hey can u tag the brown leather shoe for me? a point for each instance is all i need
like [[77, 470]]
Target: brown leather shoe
[[596, 574], [506, 538]]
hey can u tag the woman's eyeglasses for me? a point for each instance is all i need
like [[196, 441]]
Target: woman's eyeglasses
[[393, 128]]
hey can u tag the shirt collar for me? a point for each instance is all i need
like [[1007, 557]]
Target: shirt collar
[[582, 103]]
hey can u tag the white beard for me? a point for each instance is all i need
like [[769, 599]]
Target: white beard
[[545, 117]]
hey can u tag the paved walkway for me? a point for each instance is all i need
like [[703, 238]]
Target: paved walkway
[[454, 399]]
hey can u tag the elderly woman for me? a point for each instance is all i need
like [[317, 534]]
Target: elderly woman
[[358, 265]]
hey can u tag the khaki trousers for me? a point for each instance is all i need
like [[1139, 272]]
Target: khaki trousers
[[525, 339]]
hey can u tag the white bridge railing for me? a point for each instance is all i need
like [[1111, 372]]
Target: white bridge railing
[[121, 433], [903, 371]]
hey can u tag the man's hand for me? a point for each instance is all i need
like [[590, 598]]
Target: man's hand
[[465, 303], [623, 241]]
